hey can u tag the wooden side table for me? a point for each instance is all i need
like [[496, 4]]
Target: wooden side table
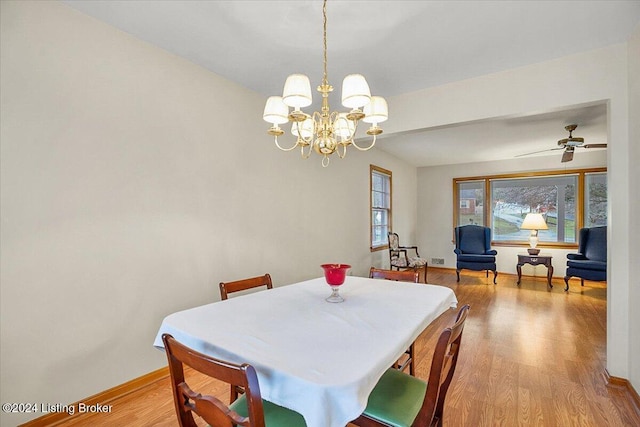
[[535, 260]]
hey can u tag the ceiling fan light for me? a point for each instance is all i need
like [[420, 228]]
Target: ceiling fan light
[[355, 91], [297, 91]]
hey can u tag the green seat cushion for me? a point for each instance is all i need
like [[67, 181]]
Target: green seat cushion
[[396, 399], [274, 415]]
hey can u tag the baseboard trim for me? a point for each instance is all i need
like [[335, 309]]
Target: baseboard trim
[[626, 386], [101, 398]]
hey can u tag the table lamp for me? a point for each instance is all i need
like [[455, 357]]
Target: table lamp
[[533, 222]]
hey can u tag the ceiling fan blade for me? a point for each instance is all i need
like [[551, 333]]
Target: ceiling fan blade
[[567, 156], [541, 151], [595, 146]]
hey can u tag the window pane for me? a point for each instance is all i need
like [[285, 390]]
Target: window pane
[[380, 226], [380, 217], [379, 200], [552, 196], [380, 235], [595, 200], [471, 203], [380, 182]]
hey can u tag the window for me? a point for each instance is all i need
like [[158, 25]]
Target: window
[[553, 196], [569, 200], [595, 201], [380, 203], [471, 196]]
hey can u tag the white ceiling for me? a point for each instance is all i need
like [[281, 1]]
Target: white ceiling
[[400, 46], [499, 139]]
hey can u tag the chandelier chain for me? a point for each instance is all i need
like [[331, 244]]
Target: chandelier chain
[[325, 81]]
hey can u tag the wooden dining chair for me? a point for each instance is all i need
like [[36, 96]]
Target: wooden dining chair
[[248, 411], [242, 285], [402, 400], [227, 288], [400, 276]]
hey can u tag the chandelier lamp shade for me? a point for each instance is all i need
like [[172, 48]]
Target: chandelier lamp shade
[[534, 222], [325, 131]]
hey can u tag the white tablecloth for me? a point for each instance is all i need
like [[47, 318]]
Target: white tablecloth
[[317, 358]]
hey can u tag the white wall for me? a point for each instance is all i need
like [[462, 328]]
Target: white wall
[[599, 75], [435, 207], [634, 205], [133, 182]]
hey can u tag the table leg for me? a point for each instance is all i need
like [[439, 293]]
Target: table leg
[[519, 268], [549, 275]]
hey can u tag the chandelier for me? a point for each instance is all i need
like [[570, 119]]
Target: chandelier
[[325, 132]]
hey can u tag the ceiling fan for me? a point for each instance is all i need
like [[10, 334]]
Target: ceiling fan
[[568, 145]]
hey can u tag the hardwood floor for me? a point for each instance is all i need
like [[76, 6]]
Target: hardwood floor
[[529, 357]]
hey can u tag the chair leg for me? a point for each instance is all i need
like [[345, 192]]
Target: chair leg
[[487, 274], [458, 274], [566, 283], [401, 366], [425, 273], [581, 281], [495, 276], [412, 368]]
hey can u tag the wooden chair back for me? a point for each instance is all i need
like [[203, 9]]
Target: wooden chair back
[[401, 276], [227, 288], [241, 285], [207, 407], [443, 366]]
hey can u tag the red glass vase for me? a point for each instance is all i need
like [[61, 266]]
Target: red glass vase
[[335, 275]]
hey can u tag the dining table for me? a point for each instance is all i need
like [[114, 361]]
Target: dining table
[[318, 358]]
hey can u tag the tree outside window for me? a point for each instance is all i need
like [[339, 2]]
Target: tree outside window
[[595, 206], [553, 197]]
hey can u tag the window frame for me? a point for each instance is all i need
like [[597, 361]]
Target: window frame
[[373, 169], [488, 209]]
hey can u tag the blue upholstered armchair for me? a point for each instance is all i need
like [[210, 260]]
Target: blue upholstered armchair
[[591, 260], [473, 250]]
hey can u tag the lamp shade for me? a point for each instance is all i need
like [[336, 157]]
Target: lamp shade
[[303, 129], [297, 91], [275, 111], [343, 127], [534, 221], [355, 91], [376, 111]]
